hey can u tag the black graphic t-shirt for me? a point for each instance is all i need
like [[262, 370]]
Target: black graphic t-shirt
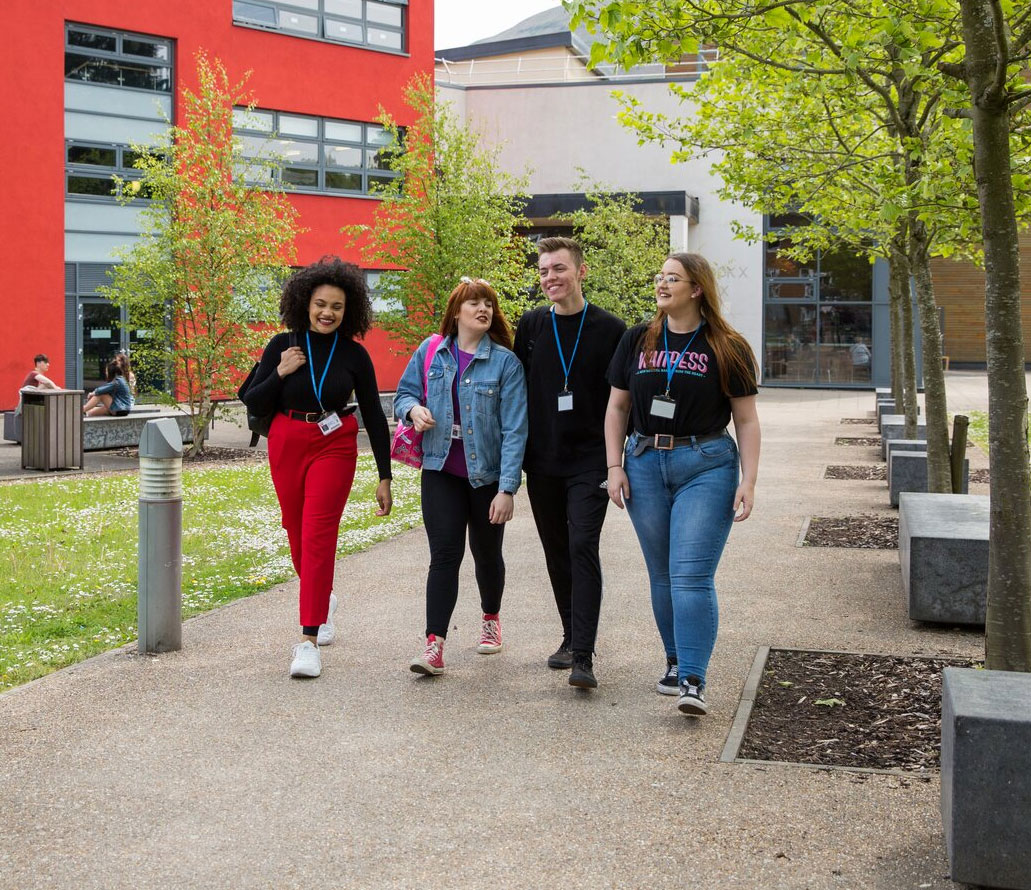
[[701, 406]]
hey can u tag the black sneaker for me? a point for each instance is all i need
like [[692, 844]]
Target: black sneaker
[[583, 674], [692, 697], [670, 682], [561, 659]]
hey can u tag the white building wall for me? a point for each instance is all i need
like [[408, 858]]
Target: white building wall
[[557, 131]]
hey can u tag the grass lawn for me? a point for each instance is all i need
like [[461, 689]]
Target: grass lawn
[[68, 554], [977, 429]]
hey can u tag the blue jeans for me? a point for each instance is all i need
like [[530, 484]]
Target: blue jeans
[[682, 507]]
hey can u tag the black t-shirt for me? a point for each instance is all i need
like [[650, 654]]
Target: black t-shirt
[[566, 443], [701, 407], [351, 371]]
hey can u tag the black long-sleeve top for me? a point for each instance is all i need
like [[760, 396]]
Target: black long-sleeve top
[[351, 371]]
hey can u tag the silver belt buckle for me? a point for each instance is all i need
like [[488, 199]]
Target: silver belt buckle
[[664, 441]]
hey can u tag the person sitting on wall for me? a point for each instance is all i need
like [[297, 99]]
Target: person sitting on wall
[[37, 377], [113, 398]]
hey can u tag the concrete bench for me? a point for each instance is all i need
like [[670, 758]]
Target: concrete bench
[[907, 471], [99, 433], [943, 550], [887, 407], [893, 426], [12, 421]]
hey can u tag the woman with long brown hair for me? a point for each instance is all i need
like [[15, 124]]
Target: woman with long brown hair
[[680, 379], [464, 391]]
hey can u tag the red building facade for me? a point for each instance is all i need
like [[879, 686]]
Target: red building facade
[[87, 77]]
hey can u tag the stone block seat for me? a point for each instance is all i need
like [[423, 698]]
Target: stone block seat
[[907, 471], [986, 776], [893, 426], [943, 549], [99, 433]]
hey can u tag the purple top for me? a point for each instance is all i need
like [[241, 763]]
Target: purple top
[[455, 462]]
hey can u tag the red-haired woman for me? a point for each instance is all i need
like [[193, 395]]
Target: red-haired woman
[[680, 379], [473, 421]]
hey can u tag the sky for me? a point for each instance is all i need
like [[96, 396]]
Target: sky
[[460, 22]]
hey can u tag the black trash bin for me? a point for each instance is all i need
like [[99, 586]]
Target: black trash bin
[[51, 435]]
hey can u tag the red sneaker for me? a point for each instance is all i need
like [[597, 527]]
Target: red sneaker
[[490, 635], [432, 660]]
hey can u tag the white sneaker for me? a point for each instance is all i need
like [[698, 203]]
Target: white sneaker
[[328, 631], [307, 661]]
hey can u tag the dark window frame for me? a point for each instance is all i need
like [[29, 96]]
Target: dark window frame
[[324, 21], [121, 61], [99, 171], [368, 145]]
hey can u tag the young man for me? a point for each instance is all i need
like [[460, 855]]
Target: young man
[[38, 376], [565, 348]]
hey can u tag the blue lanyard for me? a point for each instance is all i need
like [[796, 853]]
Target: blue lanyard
[[561, 357], [671, 365], [325, 371]]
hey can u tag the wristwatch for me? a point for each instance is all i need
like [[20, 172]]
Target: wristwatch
[[503, 491]]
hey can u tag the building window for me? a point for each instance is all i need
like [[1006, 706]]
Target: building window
[[317, 154], [377, 24], [380, 303], [114, 58], [90, 166], [818, 316]]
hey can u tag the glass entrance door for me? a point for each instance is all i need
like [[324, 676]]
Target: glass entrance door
[[101, 340]]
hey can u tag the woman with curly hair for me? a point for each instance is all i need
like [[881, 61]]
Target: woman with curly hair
[[464, 390], [680, 379], [307, 376]]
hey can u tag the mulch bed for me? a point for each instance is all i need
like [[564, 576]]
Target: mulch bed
[[862, 531], [212, 454], [857, 471], [982, 475], [847, 709], [857, 440]]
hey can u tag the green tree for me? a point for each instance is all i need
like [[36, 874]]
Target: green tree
[[997, 37], [623, 249], [201, 279], [855, 102], [945, 134], [451, 213]]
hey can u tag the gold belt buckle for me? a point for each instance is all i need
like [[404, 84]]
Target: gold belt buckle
[[664, 441]]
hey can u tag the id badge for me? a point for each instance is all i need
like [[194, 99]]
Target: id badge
[[565, 401], [664, 407], [456, 431], [329, 422]]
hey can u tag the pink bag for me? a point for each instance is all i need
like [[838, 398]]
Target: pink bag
[[407, 445]]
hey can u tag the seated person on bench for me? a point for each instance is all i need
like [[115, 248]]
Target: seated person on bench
[[112, 398]]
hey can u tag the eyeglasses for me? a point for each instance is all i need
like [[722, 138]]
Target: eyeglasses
[[668, 279], [465, 279]]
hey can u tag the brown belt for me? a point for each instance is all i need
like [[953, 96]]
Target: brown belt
[[315, 416], [667, 441]]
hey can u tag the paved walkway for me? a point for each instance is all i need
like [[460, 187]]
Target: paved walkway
[[211, 768]]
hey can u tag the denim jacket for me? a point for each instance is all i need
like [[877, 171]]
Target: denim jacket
[[493, 398]]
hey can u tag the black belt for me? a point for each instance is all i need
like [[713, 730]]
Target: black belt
[[315, 416], [667, 441]]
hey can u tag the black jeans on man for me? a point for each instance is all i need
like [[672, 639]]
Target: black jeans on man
[[450, 505], [569, 512]]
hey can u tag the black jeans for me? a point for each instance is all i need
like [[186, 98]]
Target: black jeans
[[449, 506], [569, 512]]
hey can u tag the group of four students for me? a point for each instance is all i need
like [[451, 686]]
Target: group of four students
[[590, 411]]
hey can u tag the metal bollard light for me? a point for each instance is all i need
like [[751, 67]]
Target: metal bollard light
[[159, 595]]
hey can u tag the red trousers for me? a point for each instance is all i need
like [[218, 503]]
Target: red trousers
[[312, 474]]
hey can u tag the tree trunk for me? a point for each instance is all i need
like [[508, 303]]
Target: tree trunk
[[901, 297], [895, 315], [936, 415], [1008, 622]]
